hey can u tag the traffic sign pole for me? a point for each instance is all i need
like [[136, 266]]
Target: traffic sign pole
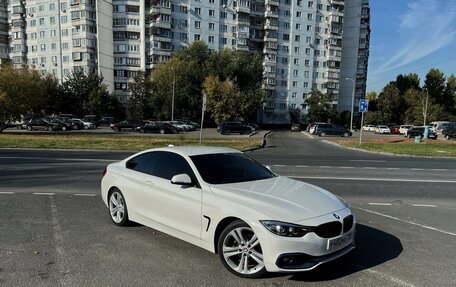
[[363, 106]]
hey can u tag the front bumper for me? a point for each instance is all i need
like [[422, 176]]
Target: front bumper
[[295, 254]]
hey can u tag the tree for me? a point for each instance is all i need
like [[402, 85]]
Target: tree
[[226, 102], [295, 115], [80, 91], [320, 107], [391, 104], [371, 96], [138, 105], [22, 91], [450, 94], [406, 82]]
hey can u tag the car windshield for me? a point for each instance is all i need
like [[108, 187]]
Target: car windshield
[[229, 168]]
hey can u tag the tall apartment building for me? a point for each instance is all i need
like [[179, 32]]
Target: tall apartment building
[[3, 31], [305, 44], [355, 56]]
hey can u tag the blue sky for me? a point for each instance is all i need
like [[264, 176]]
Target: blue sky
[[411, 36]]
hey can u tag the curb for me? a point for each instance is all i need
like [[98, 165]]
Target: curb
[[384, 153], [263, 144], [307, 134]]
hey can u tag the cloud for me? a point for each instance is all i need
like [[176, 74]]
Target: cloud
[[427, 26]]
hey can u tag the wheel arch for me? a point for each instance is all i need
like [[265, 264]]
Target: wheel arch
[[220, 227]]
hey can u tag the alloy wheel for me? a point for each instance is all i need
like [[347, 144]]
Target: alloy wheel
[[118, 208], [241, 252]]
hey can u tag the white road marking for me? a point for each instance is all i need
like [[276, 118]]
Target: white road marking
[[367, 160], [302, 166], [58, 238], [369, 167], [280, 165], [380, 203], [424, 205], [7, 192], [406, 221], [417, 169], [85, 194], [439, 169], [372, 179], [43, 193], [346, 167]]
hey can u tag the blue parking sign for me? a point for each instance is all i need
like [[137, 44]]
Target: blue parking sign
[[363, 105]]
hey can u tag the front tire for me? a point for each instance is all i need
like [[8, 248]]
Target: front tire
[[118, 208], [240, 251]]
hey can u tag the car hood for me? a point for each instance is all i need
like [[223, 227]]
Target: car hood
[[281, 198]]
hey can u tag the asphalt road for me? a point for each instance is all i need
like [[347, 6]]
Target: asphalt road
[[55, 231]]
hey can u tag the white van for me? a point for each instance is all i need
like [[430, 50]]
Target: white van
[[439, 126]]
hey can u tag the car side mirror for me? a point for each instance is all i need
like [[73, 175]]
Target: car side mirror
[[182, 179]]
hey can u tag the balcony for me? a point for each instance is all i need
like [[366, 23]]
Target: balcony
[[271, 14], [272, 2], [159, 24], [269, 26], [243, 9]]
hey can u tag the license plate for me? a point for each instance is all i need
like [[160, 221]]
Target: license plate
[[339, 242]]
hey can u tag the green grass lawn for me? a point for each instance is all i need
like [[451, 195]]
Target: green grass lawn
[[114, 142], [408, 147]]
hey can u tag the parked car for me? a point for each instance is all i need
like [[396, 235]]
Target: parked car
[[252, 126], [404, 128], [2, 126], [295, 127], [189, 122], [125, 125], [227, 128], [224, 202], [381, 129], [42, 124], [107, 121], [368, 128], [330, 129], [419, 131], [311, 126], [65, 125], [450, 133], [86, 125], [92, 119], [182, 125], [394, 130], [157, 127]]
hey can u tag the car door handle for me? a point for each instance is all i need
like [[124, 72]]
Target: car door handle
[[149, 182]]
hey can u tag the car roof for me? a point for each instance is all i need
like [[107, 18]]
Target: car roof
[[195, 150]]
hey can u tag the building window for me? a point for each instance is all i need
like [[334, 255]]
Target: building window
[[210, 39], [197, 24], [211, 13], [211, 26], [197, 11], [197, 37]]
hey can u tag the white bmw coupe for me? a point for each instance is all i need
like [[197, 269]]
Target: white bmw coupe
[[223, 201]]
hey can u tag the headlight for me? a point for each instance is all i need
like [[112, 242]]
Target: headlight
[[286, 229]]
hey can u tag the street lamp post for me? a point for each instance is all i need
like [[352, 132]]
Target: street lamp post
[[172, 101], [353, 102]]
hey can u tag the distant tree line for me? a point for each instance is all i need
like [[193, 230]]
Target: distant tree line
[[231, 80], [25, 91], [405, 101]]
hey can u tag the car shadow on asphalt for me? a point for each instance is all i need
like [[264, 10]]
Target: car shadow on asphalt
[[373, 247]]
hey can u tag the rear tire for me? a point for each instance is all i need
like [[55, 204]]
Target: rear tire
[[29, 128], [447, 137], [162, 131], [346, 135], [322, 134], [117, 208]]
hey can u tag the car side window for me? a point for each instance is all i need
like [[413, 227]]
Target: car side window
[[168, 164], [142, 163]]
